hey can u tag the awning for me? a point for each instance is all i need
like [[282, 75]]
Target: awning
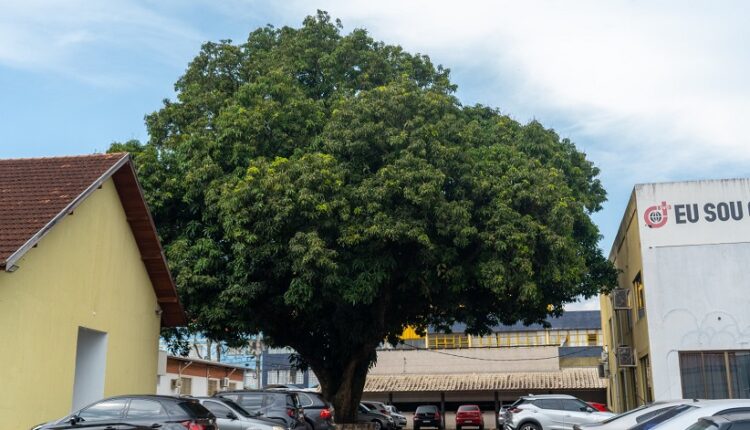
[[566, 379]]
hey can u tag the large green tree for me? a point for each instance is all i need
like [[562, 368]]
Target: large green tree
[[328, 190]]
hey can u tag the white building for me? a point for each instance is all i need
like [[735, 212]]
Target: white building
[[679, 324]]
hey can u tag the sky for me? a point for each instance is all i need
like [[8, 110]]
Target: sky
[[651, 91]]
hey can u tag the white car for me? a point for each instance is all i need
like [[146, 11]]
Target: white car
[[635, 416], [694, 411], [551, 412]]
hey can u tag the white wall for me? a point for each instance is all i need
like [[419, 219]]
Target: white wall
[[518, 359], [697, 288], [199, 385]]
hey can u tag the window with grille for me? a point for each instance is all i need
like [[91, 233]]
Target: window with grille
[[213, 386], [186, 388], [715, 374], [639, 295], [592, 339]]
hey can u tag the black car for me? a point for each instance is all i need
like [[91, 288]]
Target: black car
[[427, 416], [279, 405], [138, 412], [318, 412]]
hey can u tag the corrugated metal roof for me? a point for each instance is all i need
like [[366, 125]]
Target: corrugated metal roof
[[566, 379], [571, 320]]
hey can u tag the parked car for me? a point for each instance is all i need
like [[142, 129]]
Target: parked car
[[551, 412], [469, 415], [378, 406], [380, 420], [318, 412], [281, 406], [501, 416], [723, 422], [142, 411], [397, 416], [427, 416], [231, 416], [635, 416], [601, 407], [686, 415]]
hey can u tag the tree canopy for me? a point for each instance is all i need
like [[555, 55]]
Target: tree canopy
[[329, 190]]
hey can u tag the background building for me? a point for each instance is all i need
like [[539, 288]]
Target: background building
[[678, 325], [448, 370], [194, 377]]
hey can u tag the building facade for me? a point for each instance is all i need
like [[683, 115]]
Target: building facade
[[677, 326], [84, 287], [187, 376], [448, 370]]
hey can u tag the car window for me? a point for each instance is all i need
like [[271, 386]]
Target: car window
[[217, 409], [249, 401], [464, 408], [105, 410], [660, 418], [195, 409], [733, 411], [237, 408], [305, 401], [554, 404], [426, 409], [651, 414], [292, 401], [574, 405], [143, 408], [744, 425], [363, 409]]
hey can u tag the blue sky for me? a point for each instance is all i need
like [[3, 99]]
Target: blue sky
[[651, 91]]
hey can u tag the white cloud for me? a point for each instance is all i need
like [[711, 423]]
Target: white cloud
[[655, 87], [81, 39]]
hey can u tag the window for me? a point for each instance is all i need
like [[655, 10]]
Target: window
[[217, 409], [554, 404], [592, 339], [186, 388], [106, 410], [715, 374], [142, 408], [639, 295], [213, 386], [646, 379], [574, 405]]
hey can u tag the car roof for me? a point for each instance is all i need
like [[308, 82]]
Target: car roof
[[269, 391], [151, 396]]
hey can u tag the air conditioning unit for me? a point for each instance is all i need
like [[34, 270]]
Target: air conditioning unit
[[621, 298], [224, 383], [176, 384], [625, 356]]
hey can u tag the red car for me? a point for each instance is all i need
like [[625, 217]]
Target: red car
[[469, 415], [601, 407]]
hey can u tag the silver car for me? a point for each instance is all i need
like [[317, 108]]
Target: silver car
[[638, 415], [397, 416], [231, 416], [551, 412], [691, 412]]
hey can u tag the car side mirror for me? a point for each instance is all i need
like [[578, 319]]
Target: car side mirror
[[232, 416], [75, 419], [590, 409]]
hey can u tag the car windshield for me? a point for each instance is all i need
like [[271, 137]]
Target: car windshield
[[626, 414], [653, 422], [428, 409], [465, 408]]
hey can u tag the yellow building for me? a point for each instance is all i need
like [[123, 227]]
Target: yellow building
[[84, 286], [677, 326]]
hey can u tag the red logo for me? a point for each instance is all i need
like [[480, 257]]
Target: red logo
[[656, 216]]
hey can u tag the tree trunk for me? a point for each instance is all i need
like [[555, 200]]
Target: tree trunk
[[344, 389]]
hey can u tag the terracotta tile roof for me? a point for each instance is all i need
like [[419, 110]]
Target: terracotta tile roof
[[566, 379], [36, 193], [34, 190]]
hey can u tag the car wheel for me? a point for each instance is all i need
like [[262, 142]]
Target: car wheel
[[481, 427], [416, 427], [378, 424], [529, 426], [458, 427]]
